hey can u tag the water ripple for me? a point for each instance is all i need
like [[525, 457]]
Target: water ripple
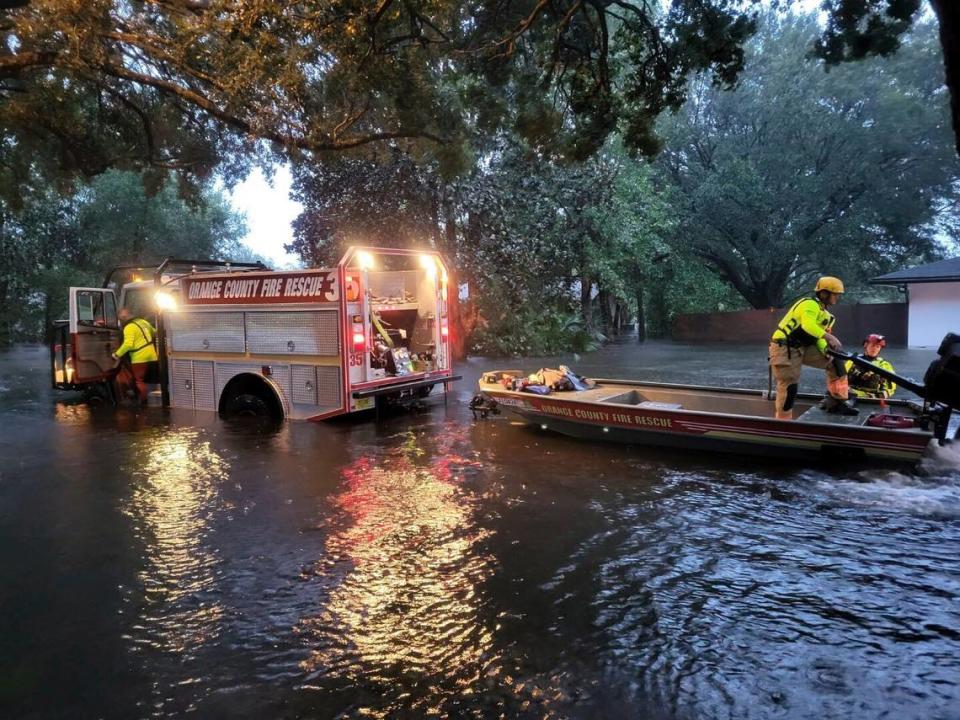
[[693, 596]]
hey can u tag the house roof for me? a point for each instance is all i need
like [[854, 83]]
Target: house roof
[[940, 271]]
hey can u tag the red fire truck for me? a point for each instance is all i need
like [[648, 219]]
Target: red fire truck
[[242, 339]]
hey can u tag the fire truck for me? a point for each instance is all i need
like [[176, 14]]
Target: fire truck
[[238, 338]]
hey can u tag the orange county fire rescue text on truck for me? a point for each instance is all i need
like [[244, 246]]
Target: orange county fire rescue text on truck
[[237, 338]]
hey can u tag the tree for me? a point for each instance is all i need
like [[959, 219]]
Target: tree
[[183, 85], [121, 223], [859, 29], [177, 84], [800, 171], [36, 243], [52, 242], [393, 202]]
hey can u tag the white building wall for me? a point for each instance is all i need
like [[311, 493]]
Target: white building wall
[[934, 311]]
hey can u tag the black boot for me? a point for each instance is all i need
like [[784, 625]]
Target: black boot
[[838, 407]]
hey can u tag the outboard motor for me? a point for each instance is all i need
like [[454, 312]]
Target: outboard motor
[[942, 379]]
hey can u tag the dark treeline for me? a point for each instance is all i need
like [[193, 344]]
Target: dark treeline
[[797, 172], [54, 241], [574, 195]]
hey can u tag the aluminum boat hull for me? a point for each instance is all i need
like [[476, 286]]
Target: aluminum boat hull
[[714, 420]]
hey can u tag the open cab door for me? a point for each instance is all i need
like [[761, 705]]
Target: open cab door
[[82, 347]]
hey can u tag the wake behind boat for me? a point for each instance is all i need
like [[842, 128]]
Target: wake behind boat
[[740, 421]]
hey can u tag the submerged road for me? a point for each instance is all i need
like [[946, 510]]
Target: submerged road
[[155, 565]]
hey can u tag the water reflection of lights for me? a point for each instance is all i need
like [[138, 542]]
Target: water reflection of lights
[[174, 482], [408, 601], [73, 413]]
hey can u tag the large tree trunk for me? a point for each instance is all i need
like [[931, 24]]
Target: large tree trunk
[[641, 318], [462, 324], [766, 293], [468, 317], [948, 13], [586, 301], [606, 319], [617, 317]]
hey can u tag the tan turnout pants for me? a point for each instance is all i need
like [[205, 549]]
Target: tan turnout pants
[[787, 363]]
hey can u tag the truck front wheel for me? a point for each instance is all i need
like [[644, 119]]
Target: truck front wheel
[[98, 395]]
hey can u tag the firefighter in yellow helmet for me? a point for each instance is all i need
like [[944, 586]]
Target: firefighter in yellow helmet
[[802, 338], [139, 346]]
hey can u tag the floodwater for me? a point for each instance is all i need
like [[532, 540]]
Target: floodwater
[[161, 565]]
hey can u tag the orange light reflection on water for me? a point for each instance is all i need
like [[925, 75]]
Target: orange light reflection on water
[[174, 482], [409, 600]]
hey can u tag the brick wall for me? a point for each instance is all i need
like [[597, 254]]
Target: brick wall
[[854, 322]]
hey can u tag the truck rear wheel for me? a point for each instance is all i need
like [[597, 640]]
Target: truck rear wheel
[[248, 405], [249, 396]]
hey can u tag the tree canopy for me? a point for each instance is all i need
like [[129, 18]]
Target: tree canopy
[[794, 173], [183, 84], [56, 241], [800, 172], [857, 29]]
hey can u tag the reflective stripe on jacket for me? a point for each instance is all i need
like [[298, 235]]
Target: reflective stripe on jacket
[[864, 383], [805, 323], [138, 337]]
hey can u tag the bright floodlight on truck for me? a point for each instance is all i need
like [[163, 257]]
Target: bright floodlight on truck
[[364, 260], [430, 265], [165, 301]]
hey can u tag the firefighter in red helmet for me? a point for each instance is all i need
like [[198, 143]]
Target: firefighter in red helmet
[[867, 384]]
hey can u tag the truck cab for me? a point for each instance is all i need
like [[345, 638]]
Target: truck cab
[[82, 345]]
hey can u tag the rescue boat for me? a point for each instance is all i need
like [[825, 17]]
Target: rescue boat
[[731, 420]]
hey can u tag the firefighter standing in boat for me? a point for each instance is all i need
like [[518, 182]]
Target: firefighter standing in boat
[[802, 338], [866, 384], [138, 344]]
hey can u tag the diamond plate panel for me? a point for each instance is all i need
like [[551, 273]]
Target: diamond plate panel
[[181, 383], [203, 386], [328, 387], [311, 332], [206, 331], [281, 376], [304, 382]]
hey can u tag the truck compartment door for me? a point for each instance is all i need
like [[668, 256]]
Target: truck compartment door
[[95, 332]]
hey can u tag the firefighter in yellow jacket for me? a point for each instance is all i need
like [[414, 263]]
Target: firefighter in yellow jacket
[[138, 343], [864, 383], [802, 338]]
